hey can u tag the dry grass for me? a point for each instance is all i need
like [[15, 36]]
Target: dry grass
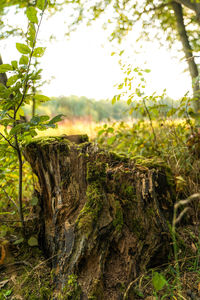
[[70, 127]]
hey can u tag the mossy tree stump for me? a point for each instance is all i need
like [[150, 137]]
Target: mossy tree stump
[[103, 220]]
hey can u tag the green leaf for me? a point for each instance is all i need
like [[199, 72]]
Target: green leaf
[[120, 86], [35, 120], [41, 98], [39, 52], [4, 92], [100, 132], [41, 4], [56, 119], [33, 241], [34, 201], [129, 101], [171, 112], [31, 34], [22, 48], [5, 68], [158, 281], [111, 140], [18, 241], [113, 100], [110, 129], [131, 110], [8, 293], [44, 118], [19, 128], [31, 13], [14, 64], [11, 80], [21, 111], [23, 60]]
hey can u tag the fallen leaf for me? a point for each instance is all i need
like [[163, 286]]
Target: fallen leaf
[[194, 248]]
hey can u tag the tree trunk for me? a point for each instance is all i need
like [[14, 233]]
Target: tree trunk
[[3, 77], [193, 69], [103, 219], [193, 5]]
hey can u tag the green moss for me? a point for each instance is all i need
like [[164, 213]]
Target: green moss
[[96, 291], [91, 210], [45, 140], [153, 162], [118, 157], [72, 290], [96, 172], [118, 220], [96, 177], [84, 138], [128, 190], [137, 228]]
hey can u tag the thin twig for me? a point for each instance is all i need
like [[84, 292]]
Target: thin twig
[[36, 267], [9, 198], [8, 141]]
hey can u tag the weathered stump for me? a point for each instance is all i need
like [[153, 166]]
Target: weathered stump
[[103, 219]]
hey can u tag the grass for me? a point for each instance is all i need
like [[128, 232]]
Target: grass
[[180, 153]]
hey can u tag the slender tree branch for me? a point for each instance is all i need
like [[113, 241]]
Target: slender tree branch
[[187, 3], [29, 64], [193, 5], [8, 141]]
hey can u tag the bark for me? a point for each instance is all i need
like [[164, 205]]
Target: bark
[[102, 218], [3, 77], [187, 49], [193, 5]]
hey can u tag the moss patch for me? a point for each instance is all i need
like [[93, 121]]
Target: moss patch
[[96, 172], [96, 176], [31, 278], [96, 291], [118, 220], [118, 157], [72, 290]]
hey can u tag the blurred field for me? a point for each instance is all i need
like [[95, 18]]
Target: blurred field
[[88, 126], [74, 126]]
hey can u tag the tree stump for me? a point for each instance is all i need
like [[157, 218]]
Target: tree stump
[[103, 219]]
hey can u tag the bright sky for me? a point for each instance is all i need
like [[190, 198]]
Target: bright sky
[[83, 65]]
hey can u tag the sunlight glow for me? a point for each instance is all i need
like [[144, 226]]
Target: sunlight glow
[[83, 65]]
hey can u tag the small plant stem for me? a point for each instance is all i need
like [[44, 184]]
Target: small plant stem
[[175, 248], [9, 198], [151, 123], [20, 184], [33, 107], [25, 88]]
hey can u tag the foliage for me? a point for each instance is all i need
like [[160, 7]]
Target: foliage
[[17, 6], [158, 281], [74, 107], [123, 16], [165, 21], [15, 95], [72, 290]]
